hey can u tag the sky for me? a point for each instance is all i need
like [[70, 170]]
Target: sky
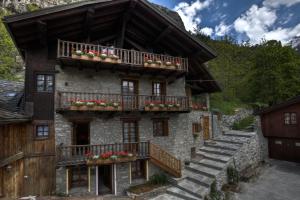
[[245, 20]]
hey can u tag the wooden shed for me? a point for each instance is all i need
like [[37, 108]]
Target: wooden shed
[[281, 125]]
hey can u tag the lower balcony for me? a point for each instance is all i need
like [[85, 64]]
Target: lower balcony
[[78, 101], [101, 154]]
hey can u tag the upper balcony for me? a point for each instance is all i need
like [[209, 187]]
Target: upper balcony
[[98, 102], [103, 57]]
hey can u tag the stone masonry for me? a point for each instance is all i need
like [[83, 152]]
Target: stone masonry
[[108, 130]]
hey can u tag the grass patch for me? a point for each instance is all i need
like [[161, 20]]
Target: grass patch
[[244, 123], [156, 181], [146, 187]]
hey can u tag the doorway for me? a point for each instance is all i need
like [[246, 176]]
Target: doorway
[[206, 135], [129, 94], [81, 133], [105, 179]]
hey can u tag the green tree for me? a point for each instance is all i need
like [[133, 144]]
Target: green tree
[[8, 53]]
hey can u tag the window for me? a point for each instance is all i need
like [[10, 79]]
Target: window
[[290, 118], [44, 83], [138, 169], [293, 118], [197, 127], [42, 131], [130, 131], [158, 89], [160, 127]]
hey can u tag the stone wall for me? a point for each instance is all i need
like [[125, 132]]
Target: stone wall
[[229, 120]]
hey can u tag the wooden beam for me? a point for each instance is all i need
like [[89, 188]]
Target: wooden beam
[[139, 47], [165, 32], [124, 21], [88, 23], [42, 32]]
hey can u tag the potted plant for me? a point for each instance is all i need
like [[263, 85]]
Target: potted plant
[[90, 104], [78, 105], [77, 54], [149, 106], [178, 65], [158, 63], [170, 65], [195, 135], [101, 105]]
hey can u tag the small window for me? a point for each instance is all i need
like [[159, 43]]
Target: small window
[[158, 89], [293, 118], [42, 131], [160, 127], [290, 118], [196, 127], [44, 83], [287, 118]]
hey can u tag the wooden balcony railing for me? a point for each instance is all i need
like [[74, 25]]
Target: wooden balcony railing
[[67, 49], [81, 101], [165, 160], [77, 154]]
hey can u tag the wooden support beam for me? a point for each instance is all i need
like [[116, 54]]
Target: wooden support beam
[[126, 17], [89, 179], [130, 173], [88, 23], [164, 33], [42, 32], [139, 47], [147, 170], [67, 181]]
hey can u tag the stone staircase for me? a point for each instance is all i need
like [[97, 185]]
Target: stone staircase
[[211, 160]]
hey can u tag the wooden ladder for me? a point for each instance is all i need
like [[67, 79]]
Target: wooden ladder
[[164, 160]]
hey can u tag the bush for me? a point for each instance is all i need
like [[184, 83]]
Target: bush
[[244, 123], [214, 193], [32, 7], [233, 175], [158, 179]]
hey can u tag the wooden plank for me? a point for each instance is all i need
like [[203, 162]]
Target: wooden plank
[[11, 159]]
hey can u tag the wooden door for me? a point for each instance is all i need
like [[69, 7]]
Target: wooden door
[[206, 135], [130, 135], [129, 94]]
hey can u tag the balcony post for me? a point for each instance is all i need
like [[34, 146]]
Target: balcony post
[[130, 175], [97, 180], [147, 170]]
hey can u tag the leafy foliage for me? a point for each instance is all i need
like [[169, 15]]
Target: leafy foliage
[[158, 179], [258, 75], [233, 175], [244, 123], [8, 53]]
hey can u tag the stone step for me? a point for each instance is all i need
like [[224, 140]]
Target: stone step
[[200, 169], [166, 196], [239, 134], [199, 178], [210, 163], [241, 140], [177, 192], [222, 145], [228, 141], [217, 151], [193, 188], [214, 157]]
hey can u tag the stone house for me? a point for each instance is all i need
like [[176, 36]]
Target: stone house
[[114, 92]]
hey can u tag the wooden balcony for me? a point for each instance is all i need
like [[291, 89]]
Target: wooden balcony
[[103, 57], [80, 154], [81, 101]]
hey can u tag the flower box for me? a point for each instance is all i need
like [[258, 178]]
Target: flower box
[[154, 108], [110, 161], [79, 107]]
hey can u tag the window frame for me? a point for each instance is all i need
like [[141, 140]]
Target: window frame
[[164, 127], [162, 88], [290, 118], [45, 82], [36, 124], [196, 127]]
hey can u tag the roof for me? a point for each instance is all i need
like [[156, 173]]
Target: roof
[[275, 107], [7, 117], [11, 95], [149, 21]]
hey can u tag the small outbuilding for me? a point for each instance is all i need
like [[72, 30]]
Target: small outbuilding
[[281, 125]]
